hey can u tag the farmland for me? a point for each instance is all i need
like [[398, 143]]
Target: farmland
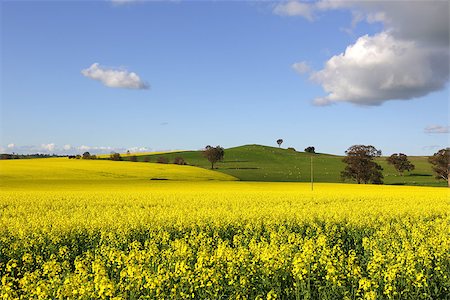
[[90, 229], [264, 163]]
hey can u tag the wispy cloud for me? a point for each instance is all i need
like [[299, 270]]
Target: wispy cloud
[[123, 2], [301, 67], [437, 129], [294, 8], [115, 77]]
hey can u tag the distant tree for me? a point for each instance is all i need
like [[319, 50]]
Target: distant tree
[[86, 155], [400, 162], [78, 156], [115, 156], [360, 165], [162, 160], [179, 161], [279, 142], [310, 149], [133, 158], [128, 152], [93, 157], [441, 164], [213, 154]]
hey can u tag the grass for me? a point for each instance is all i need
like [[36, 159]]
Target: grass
[[263, 163]]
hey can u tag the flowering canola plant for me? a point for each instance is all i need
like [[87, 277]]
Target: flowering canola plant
[[222, 240]]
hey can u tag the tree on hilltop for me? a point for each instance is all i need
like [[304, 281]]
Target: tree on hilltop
[[310, 149], [213, 154], [400, 162], [360, 165], [279, 142]]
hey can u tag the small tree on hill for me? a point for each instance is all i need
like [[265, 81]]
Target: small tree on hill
[[360, 165], [213, 154], [400, 162], [310, 149], [279, 142], [441, 164], [86, 155]]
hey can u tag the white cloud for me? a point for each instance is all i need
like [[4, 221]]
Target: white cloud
[[301, 67], [48, 147], [380, 68], [69, 149], [121, 2], [437, 129], [408, 59], [114, 77], [138, 149], [294, 8]]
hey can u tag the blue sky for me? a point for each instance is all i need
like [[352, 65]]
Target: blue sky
[[105, 75]]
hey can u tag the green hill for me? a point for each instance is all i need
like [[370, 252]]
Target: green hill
[[263, 163]]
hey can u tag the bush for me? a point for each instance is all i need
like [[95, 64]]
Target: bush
[[292, 149], [162, 160], [179, 161], [115, 156]]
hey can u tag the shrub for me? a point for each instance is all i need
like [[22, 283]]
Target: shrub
[[179, 161], [162, 160]]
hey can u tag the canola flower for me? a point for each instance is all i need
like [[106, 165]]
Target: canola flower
[[223, 240]]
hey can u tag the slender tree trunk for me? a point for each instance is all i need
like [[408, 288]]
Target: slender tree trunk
[[212, 165]]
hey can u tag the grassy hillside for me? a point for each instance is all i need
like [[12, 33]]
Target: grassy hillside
[[54, 171], [263, 163]]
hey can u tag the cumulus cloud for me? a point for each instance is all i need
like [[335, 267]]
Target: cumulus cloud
[[408, 59], [380, 68], [437, 129], [67, 147], [301, 67], [115, 77], [10, 146], [294, 8]]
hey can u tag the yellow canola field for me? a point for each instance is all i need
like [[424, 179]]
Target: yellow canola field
[[64, 172], [222, 240], [142, 153]]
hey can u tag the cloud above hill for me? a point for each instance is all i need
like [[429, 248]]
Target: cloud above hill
[[408, 59], [115, 77]]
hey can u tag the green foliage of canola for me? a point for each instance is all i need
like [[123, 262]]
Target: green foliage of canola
[[141, 239]]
